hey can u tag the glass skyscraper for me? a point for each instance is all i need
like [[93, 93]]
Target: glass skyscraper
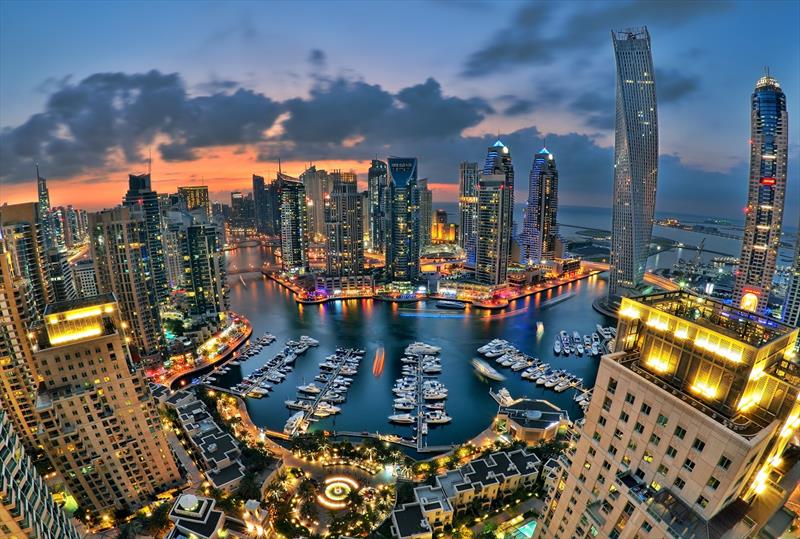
[[635, 159], [376, 187], [140, 194], [495, 214], [468, 174], [403, 234], [294, 224], [539, 238], [769, 137]]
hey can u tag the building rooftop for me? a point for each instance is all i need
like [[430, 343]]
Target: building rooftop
[[744, 326], [80, 303], [409, 520]]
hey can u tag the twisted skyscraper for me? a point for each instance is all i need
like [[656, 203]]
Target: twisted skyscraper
[[635, 159], [769, 138]]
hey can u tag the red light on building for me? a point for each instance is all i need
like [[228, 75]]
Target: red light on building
[[746, 209], [767, 181]]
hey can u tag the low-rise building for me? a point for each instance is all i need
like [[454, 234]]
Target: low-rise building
[[216, 451], [531, 421], [477, 484], [194, 517]]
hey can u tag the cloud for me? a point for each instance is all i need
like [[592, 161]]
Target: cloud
[[517, 106], [673, 85], [85, 125], [317, 58], [538, 34]]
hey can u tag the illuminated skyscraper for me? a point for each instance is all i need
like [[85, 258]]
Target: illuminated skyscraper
[[318, 186], [377, 184], [260, 203], [425, 213], [769, 137], [688, 431], [27, 508], [791, 306], [403, 234], [468, 174], [344, 226], [141, 195], [44, 209], [635, 159], [495, 214], [119, 250], [24, 239], [203, 270], [195, 197], [99, 422], [539, 239], [294, 224]]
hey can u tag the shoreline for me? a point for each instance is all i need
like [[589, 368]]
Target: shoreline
[[475, 303]]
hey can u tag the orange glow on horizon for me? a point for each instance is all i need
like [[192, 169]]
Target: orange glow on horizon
[[222, 169]]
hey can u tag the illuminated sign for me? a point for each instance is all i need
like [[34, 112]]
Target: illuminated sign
[[767, 181]]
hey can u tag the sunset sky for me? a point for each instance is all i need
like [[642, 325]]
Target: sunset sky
[[217, 91]]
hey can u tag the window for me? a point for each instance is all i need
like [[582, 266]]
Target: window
[[688, 464], [624, 417], [713, 483], [629, 398], [592, 451], [648, 456], [596, 436], [646, 408], [698, 445], [632, 445], [662, 420], [671, 452], [607, 404], [612, 386], [646, 526], [679, 483], [602, 421], [702, 502], [638, 428], [612, 449], [680, 432], [618, 434], [654, 439], [663, 470], [587, 465], [724, 462]]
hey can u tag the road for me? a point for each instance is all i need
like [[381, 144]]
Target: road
[[649, 278]]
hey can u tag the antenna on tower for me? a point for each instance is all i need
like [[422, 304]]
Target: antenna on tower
[[149, 160], [279, 166]]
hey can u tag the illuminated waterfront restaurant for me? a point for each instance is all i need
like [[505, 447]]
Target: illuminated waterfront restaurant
[[688, 430]]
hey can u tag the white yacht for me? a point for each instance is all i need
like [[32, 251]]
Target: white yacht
[[484, 369], [309, 388], [402, 418]]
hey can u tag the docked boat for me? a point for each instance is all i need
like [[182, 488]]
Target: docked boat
[[298, 405], [437, 417], [402, 418], [595, 349], [421, 348], [519, 365], [309, 388], [434, 405], [557, 346], [434, 394], [484, 369], [562, 386], [404, 406], [449, 304], [579, 349], [296, 423]]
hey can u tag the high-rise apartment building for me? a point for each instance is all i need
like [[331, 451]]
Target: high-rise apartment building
[[44, 209], [686, 429], [495, 214], [60, 275], [402, 232], [120, 252], [539, 239], [377, 184], [85, 280], [318, 186], [195, 197], [25, 241], [635, 159], [260, 203], [468, 175], [425, 213], [204, 270], [141, 195], [27, 508], [294, 224], [791, 305], [769, 140], [344, 226], [17, 378], [99, 422]]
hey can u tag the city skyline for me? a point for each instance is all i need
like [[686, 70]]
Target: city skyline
[[576, 121]]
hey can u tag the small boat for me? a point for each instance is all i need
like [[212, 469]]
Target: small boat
[[424, 428], [562, 386], [295, 422], [448, 304], [434, 405], [297, 405], [437, 417], [579, 349], [404, 406], [402, 418], [434, 394], [557, 346], [309, 388], [595, 349]]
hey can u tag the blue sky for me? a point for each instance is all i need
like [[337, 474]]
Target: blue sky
[[452, 74]]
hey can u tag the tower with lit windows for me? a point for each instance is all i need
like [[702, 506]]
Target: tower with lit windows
[[539, 238], [495, 214], [635, 159], [403, 224], [688, 430], [769, 138], [468, 174]]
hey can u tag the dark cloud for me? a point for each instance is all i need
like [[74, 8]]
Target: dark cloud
[[516, 106], [216, 85], [84, 124], [596, 109], [535, 36], [673, 85], [317, 58]]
